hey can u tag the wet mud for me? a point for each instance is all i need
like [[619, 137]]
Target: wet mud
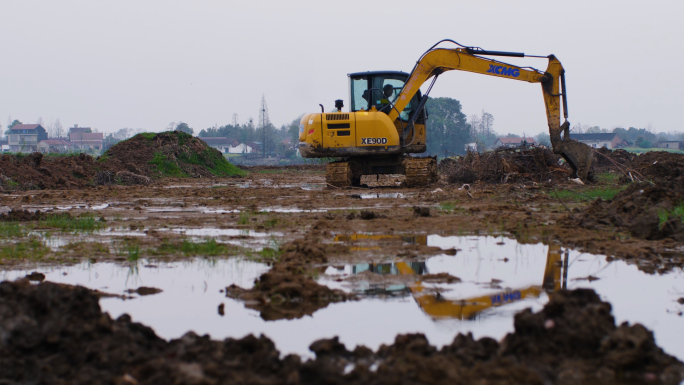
[[288, 290], [58, 334], [299, 227]]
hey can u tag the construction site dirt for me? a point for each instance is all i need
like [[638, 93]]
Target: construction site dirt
[[274, 276]]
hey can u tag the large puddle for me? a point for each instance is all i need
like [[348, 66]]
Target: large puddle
[[498, 277]]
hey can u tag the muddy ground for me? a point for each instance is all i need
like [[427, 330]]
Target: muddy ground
[[296, 203]]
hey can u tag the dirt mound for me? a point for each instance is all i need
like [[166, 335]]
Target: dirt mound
[[661, 167], [134, 161], [612, 160], [170, 154], [536, 164], [657, 166], [53, 333], [648, 211], [35, 171], [21, 216], [287, 290]]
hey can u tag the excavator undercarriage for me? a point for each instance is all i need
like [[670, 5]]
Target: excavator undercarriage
[[348, 172]]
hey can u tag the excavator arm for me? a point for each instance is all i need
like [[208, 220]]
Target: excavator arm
[[438, 60]]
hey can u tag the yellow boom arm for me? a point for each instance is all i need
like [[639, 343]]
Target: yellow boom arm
[[438, 60]]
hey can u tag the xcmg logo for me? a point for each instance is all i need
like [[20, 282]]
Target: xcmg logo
[[501, 70], [506, 297]]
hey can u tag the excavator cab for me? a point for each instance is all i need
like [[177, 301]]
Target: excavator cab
[[379, 90]]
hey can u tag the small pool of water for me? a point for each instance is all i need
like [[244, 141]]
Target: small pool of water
[[498, 277]]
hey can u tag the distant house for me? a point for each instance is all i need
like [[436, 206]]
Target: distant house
[[607, 140], [513, 142], [674, 144], [82, 130], [86, 140], [25, 137], [254, 147], [220, 143], [4, 145], [54, 145], [242, 148]]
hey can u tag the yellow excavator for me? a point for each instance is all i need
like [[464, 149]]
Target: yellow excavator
[[436, 306], [387, 117]]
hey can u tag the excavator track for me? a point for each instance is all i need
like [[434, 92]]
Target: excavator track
[[420, 171], [338, 174]]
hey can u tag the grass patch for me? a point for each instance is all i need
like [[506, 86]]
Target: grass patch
[[33, 249], [608, 178], [605, 193], [166, 167], [11, 230], [84, 223], [639, 150], [243, 219], [676, 214], [447, 206], [213, 161], [270, 223], [133, 251], [10, 184], [147, 135], [271, 171], [209, 247]]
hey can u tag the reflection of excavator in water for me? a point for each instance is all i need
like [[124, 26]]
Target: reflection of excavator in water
[[387, 117], [435, 305]]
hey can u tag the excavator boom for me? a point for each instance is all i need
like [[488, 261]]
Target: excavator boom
[[438, 60]]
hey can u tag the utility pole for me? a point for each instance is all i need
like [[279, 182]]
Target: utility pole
[[264, 126]]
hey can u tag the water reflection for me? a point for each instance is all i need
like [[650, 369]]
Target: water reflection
[[433, 302], [398, 295]]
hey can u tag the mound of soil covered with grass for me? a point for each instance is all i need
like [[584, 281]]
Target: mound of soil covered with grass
[[51, 333], [537, 164], [168, 154], [138, 160]]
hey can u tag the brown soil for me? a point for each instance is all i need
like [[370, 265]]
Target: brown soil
[[288, 289], [21, 216], [641, 205], [127, 162], [638, 209], [62, 328], [58, 334], [34, 171]]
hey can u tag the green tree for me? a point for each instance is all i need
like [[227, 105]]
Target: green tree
[[184, 128], [9, 128], [447, 129], [293, 130]]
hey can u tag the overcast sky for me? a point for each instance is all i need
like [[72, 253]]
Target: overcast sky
[[144, 63]]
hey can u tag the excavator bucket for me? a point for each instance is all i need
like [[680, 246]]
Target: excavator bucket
[[578, 155]]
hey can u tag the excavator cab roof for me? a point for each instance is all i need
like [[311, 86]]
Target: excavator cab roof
[[375, 73]]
